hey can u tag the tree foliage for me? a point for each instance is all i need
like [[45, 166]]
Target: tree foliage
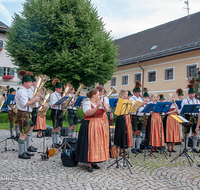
[[64, 39]]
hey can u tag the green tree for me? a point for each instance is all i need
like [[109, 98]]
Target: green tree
[[64, 39]]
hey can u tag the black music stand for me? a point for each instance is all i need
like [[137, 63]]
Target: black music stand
[[191, 108], [147, 109], [124, 109], [7, 102], [162, 107]]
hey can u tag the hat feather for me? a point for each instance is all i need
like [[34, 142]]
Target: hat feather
[[55, 81], [22, 73], [138, 84], [161, 95], [145, 90], [190, 86], [29, 73]]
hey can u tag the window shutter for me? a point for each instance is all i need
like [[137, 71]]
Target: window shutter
[[1, 71], [1, 44], [12, 72], [165, 74]]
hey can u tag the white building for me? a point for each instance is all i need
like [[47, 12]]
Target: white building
[[6, 66]]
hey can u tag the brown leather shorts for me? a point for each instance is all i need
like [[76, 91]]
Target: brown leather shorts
[[23, 119], [12, 117]]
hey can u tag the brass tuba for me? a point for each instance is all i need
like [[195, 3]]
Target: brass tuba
[[2, 99], [41, 80], [75, 96], [45, 103], [113, 91]]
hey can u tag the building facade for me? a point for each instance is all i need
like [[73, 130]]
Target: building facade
[[162, 58], [8, 75]]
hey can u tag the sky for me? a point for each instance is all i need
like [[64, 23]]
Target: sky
[[122, 17]]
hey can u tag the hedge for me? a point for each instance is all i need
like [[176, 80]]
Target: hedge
[[4, 118]]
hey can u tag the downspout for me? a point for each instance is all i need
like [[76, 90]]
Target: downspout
[[142, 76]]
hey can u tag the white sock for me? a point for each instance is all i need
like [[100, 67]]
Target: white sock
[[134, 140]]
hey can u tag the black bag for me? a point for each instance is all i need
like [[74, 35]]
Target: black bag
[[71, 143], [68, 158], [63, 131], [47, 132]]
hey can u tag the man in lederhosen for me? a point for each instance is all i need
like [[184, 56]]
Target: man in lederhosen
[[192, 118], [137, 119], [23, 116]]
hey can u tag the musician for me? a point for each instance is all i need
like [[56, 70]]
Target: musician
[[33, 112], [192, 118], [154, 131], [93, 138], [12, 117], [171, 126], [136, 119], [56, 112], [23, 116], [122, 126], [72, 113]]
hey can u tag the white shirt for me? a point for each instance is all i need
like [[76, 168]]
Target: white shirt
[[87, 106], [105, 100], [54, 98], [21, 99], [72, 106], [30, 92], [188, 101], [138, 112]]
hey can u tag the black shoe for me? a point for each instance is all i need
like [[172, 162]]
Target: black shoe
[[29, 154], [56, 145], [89, 169], [39, 137], [139, 150], [95, 166], [24, 156], [134, 151], [198, 165], [31, 149], [173, 150], [34, 147], [169, 150], [195, 150]]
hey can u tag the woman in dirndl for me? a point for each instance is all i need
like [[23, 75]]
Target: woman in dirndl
[[123, 128], [172, 126], [154, 131], [93, 138]]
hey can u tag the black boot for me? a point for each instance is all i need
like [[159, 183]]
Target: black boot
[[24, 156]]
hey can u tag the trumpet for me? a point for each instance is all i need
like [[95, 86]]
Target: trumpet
[[67, 88], [2, 99], [41, 80], [45, 104], [113, 91]]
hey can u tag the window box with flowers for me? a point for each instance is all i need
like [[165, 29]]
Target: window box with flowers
[[195, 80], [7, 77]]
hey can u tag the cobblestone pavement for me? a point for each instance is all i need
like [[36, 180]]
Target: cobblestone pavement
[[154, 173]]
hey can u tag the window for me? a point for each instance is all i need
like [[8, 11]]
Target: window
[[151, 76], [1, 44], [114, 81], [137, 76], [125, 80], [169, 73], [7, 71], [190, 70]]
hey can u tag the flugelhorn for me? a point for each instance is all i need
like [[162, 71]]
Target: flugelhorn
[[113, 91], [41, 80], [2, 99], [45, 103]]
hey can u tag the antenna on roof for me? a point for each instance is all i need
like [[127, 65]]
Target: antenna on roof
[[187, 8]]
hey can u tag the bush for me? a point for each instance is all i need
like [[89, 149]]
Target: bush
[[80, 113], [4, 118]]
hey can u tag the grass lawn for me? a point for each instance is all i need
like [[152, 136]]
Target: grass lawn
[[48, 122]]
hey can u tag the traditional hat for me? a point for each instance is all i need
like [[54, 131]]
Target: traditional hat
[[161, 97], [24, 76], [146, 92], [12, 90], [31, 75], [137, 86], [56, 83], [179, 91], [129, 93], [191, 89]]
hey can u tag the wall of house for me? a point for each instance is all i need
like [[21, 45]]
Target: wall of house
[[5, 61], [179, 64]]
